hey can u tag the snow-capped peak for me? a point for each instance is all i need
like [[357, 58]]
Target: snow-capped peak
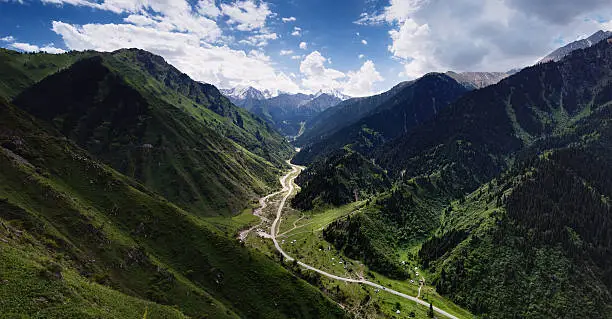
[[334, 93], [247, 92]]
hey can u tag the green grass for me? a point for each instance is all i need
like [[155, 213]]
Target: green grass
[[117, 233], [18, 71], [311, 248], [29, 286]]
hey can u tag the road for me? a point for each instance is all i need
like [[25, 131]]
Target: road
[[287, 182]]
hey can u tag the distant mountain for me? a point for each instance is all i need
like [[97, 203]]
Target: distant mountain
[[319, 103], [560, 53], [345, 113], [245, 93], [413, 104], [181, 138], [286, 112], [478, 80], [334, 93]]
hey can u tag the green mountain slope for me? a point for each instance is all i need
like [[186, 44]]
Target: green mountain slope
[[344, 114], [180, 138], [536, 241], [77, 237], [476, 138], [341, 178], [414, 104], [18, 71]]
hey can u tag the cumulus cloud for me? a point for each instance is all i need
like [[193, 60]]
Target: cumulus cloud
[[8, 38], [297, 31], [303, 45], [474, 35], [360, 83], [364, 42], [27, 47], [171, 15], [290, 19], [247, 15], [259, 40], [286, 52], [317, 76], [361, 56], [208, 8], [220, 65]]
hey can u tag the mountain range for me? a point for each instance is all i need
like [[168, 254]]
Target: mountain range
[[491, 191], [111, 165], [286, 112], [124, 185], [561, 52]]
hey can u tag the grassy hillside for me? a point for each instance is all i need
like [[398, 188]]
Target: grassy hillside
[[180, 138], [77, 237], [18, 71]]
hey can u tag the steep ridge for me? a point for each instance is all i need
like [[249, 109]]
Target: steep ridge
[[19, 71], [78, 239], [478, 80], [414, 104], [180, 138], [474, 139], [562, 52], [537, 132], [344, 114]]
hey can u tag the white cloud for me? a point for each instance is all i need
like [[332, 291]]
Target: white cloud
[[316, 76], [208, 8], [364, 42], [27, 47], [606, 25], [219, 65], [286, 52], [141, 20], [8, 38], [259, 40], [297, 57], [247, 14], [290, 19], [361, 56], [471, 35], [296, 32], [303, 45], [360, 83]]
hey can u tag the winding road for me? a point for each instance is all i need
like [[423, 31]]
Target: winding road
[[287, 182]]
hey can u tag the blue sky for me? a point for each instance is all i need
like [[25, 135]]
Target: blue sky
[[359, 47]]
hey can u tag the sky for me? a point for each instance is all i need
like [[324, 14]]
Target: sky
[[359, 47]]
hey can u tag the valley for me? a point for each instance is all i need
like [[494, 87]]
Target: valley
[[297, 238], [210, 159]]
